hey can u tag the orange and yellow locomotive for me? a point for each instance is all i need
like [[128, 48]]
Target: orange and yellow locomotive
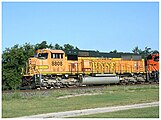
[[152, 67], [57, 68]]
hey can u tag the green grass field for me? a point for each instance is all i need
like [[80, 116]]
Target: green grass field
[[38, 102], [150, 112]]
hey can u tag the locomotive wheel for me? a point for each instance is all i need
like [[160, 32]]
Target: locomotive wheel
[[43, 88], [123, 83], [131, 83], [67, 85], [54, 86], [49, 87]]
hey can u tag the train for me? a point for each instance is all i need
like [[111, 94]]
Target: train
[[57, 68]]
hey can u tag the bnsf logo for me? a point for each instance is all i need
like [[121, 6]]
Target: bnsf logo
[[57, 63]]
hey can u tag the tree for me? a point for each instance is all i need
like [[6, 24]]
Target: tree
[[28, 50], [76, 48], [50, 46], [155, 52], [13, 60], [144, 52], [136, 50], [147, 51], [58, 47], [68, 47], [43, 45], [114, 51]]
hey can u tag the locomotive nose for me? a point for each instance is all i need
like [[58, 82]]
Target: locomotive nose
[[32, 61]]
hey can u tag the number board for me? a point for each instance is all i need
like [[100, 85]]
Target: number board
[[57, 63]]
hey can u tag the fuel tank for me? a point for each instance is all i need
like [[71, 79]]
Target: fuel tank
[[98, 80]]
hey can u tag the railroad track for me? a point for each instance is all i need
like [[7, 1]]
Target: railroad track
[[73, 88], [70, 88]]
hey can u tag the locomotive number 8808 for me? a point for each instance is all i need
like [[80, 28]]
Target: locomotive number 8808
[[57, 68]]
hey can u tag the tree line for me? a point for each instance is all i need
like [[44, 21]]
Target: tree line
[[144, 52], [15, 58]]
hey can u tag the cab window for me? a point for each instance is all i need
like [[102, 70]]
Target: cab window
[[43, 55], [156, 58], [57, 55]]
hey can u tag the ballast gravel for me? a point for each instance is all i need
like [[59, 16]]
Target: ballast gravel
[[92, 111], [85, 94]]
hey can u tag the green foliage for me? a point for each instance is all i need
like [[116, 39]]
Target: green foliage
[[58, 47], [137, 50], [68, 47], [43, 45], [144, 52], [13, 60], [114, 51], [155, 51]]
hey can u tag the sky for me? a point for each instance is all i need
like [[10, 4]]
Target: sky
[[103, 26]]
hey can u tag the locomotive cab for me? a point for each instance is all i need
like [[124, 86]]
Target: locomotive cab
[[50, 61], [44, 62]]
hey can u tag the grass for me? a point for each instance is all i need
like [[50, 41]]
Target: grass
[[23, 104], [149, 112]]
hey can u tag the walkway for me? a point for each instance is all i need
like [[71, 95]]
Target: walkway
[[92, 111]]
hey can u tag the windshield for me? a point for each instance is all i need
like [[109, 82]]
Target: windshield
[[43, 55], [156, 58]]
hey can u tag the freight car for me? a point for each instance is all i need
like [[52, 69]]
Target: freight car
[[56, 68]]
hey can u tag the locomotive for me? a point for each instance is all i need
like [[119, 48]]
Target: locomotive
[[152, 67], [57, 68]]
